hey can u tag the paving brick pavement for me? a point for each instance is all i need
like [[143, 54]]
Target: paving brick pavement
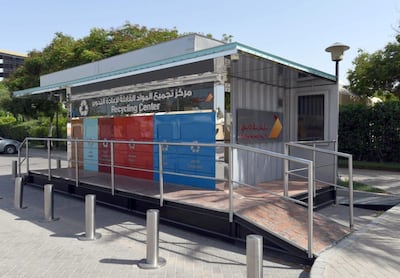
[[373, 250], [31, 247]]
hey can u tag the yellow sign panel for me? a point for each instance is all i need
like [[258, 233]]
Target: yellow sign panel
[[276, 128], [258, 126]]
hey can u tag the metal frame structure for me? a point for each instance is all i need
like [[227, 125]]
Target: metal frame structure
[[308, 167]]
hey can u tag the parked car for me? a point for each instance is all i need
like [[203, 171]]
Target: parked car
[[9, 146]]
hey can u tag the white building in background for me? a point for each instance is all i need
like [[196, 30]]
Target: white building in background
[[9, 61]]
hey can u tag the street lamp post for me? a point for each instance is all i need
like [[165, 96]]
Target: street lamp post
[[337, 49]]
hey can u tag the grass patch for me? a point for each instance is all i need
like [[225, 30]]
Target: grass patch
[[361, 186], [384, 166]]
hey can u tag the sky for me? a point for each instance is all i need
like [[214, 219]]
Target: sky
[[297, 30]]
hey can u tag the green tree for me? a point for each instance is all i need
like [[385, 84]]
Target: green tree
[[3, 91], [377, 73], [64, 51], [4, 96], [58, 55]]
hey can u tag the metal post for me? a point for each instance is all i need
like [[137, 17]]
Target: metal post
[[90, 225], [254, 256], [286, 172], [335, 170], [49, 203], [351, 197], [19, 162], [152, 260], [76, 164], [161, 175], [310, 209], [112, 168], [337, 71], [18, 193], [49, 160], [230, 183], [58, 163], [27, 157], [314, 162], [14, 168]]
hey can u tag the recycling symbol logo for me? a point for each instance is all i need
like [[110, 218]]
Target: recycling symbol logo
[[84, 108]]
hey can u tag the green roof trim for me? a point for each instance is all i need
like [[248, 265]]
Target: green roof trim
[[285, 62], [217, 51]]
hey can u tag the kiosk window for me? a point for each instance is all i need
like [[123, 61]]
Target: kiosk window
[[310, 125]]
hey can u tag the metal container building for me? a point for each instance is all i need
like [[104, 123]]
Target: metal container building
[[259, 99]]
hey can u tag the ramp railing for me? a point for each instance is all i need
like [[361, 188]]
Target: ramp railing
[[76, 164], [311, 149]]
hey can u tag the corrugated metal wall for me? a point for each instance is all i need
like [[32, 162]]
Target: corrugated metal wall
[[261, 85]]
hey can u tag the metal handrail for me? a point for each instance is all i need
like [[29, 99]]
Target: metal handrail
[[336, 154], [20, 162], [231, 147]]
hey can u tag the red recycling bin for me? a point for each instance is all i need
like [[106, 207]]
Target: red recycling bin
[[106, 132], [133, 155]]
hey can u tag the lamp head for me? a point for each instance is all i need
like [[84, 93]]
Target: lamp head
[[337, 49]]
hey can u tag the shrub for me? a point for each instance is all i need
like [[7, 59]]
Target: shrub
[[10, 128], [4, 120], [14, 131], [371, 133]]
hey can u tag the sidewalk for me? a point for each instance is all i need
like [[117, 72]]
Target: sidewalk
[[386, 180], [33, 248], [374, 249]]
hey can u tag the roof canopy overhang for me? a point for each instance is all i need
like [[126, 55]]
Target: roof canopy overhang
[[201, 55]]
